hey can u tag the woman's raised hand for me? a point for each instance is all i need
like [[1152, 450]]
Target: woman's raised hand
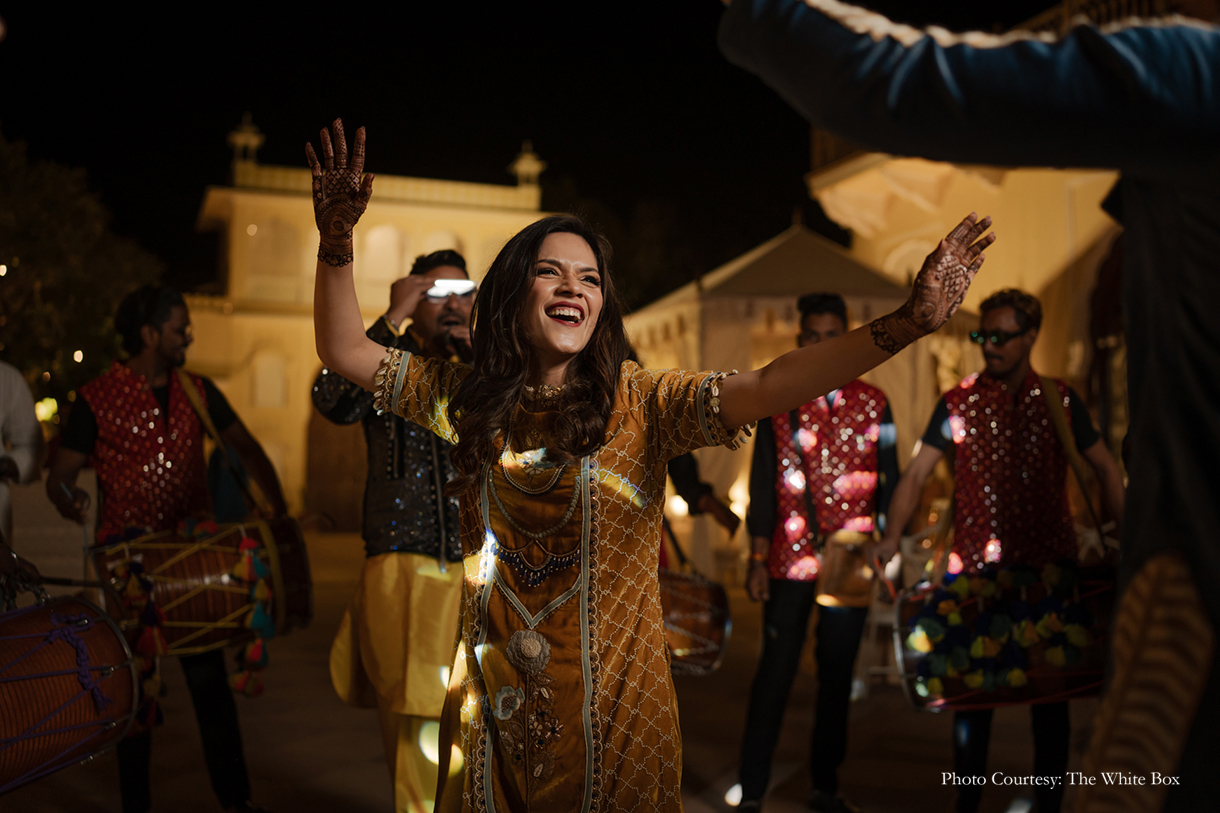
[[340, 196], [939, 288]]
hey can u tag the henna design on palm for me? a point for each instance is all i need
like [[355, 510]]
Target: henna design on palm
[[340, 196], [939, 288]]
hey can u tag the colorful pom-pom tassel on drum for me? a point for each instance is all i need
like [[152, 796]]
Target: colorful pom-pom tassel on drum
[[246, 682], [1026, 633], [260, 622], [918, 641], [151, 642], [1000, 628], [1049, 624], [255, 656], [1077, 635]]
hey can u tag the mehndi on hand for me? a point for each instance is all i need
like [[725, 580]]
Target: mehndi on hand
[[939, 287], [340, 196]]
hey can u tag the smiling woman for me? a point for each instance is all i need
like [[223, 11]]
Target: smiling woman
[[560, 695]]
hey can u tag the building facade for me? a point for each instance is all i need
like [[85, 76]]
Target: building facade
[[255, 340]]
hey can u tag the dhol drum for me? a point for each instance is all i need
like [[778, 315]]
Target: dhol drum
[[846, 578], [1017, 636], [67, 688], [697, 621], [205, 606]]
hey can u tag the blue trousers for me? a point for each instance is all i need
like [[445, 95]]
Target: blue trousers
[[785, 619]]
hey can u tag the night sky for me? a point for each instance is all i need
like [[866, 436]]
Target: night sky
[[629, 103]]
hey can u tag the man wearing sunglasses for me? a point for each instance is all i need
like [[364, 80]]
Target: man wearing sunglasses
[[1011, 507], [395, 644]]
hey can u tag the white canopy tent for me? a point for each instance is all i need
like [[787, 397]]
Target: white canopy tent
[[743, 314]]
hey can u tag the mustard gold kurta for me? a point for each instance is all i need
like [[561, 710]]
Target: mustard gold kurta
[[561, 697]]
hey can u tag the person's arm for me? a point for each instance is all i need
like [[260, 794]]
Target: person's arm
[[1139, 98], [760, 518], [71, 502], [700, 497], [237, 437], [12, 565], [887, 467], [76, 440], [340, 195], [801, 375], [1113, 492], [19, 428], [684, 471], [1091, 446], [905, 501]]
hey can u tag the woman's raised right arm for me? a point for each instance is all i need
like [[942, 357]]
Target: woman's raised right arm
[[340, 196]]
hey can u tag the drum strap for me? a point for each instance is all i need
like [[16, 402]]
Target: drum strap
[[196, 398], [1066, 439], [794, 424]]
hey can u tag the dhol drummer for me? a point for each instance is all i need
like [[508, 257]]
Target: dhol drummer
[[1011, 506], [387, 654], [820, 481], [136, 426]]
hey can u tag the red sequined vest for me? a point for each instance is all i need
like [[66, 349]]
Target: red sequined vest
[[837, 462], [1011, 475], [150, 468]]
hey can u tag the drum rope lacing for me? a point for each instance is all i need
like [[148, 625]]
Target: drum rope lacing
[[68, 631]]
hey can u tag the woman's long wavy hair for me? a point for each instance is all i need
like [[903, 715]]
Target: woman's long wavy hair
[[486, 399]]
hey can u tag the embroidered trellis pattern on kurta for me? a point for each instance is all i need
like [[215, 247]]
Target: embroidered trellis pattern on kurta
[[596, 727]]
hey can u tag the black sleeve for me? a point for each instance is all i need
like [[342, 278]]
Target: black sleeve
[[760, 516], [684, 471], [1083, 430], [80, 433], [339, 400], [938, 435], [219, 411], [887, 464]]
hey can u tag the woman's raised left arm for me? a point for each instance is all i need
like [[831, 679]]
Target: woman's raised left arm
[[798, 377]]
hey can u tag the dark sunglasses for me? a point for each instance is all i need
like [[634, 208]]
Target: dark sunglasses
[[996, 337]]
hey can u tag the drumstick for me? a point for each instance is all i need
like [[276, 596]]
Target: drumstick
[[61, 582], [85, 536]]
